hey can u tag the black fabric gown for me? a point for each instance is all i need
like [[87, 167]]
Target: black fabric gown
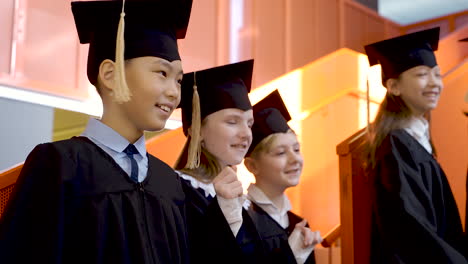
[[73, 204], [210, 236], [275, 237], [415, 218]]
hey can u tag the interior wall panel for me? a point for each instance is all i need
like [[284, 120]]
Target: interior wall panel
[[326, 27], [269, 41], [355, 28], [301, 23], [199, 48], [6, 31], [375, 29], [50, 46], [461, 21]]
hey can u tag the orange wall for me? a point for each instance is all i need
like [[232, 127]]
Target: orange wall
[[167, 146], [283, 35], [450, 133]]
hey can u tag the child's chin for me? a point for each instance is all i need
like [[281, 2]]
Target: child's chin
[[156, 127]]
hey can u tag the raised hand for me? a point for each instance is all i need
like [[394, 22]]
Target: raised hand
[[227, 185]]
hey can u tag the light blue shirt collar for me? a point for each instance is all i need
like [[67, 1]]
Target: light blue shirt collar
[[107, 136]]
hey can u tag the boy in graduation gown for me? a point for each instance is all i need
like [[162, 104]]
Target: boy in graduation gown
[[100, 197], [415, 218], [276, 162]]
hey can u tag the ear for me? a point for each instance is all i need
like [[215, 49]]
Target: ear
[[106, 75], [393, 87], [251, 164]]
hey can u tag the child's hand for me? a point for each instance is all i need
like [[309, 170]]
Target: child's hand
[[302, 241], [227, 185], [310, 238]]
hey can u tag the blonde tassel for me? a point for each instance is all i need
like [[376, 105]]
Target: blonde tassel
[[194, 151], [121, 92]]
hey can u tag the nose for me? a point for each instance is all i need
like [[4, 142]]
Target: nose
[[294, 157], [245, 132], [434, 79]]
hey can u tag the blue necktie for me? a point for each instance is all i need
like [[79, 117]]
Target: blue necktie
[[130, 150]]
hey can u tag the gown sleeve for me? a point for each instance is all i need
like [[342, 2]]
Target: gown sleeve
[[31, 226], [408, 223], [211, 239]]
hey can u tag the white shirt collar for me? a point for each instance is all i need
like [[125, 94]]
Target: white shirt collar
[[280, 215], [418, 128], [208, 188]]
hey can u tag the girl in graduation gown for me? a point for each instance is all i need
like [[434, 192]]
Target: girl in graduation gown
[[97, 198], [276, 162], [415, 218], [217, 118]]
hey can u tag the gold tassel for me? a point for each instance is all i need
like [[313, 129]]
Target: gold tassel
[[194, 150], [122, 93]]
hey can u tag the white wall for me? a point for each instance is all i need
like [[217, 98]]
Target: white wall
[[23, 126]]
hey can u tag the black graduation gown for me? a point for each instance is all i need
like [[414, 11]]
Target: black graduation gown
[[415, 218], [275, 237], [73, 204], [210, 237]]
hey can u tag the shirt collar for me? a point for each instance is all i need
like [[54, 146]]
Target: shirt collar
[[257, 196], [418, 128], [208, 188], [110, 138]]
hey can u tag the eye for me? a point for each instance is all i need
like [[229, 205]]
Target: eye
[[163, 73], [179, 81], [231, 121], [421, 74], [297, 150], [279, 152]]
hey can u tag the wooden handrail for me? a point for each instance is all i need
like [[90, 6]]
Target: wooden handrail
[[331, 237], [9, 176], [448, 18]]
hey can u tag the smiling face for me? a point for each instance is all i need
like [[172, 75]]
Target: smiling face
[[227, 135], [420, 88], [155, 87], [278, 165]]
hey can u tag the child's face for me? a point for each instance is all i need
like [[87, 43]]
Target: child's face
[[420, 88], [155, 87], [280, 166], [227, 135]]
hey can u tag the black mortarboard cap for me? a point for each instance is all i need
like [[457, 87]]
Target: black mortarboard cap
[[152, 28], [219, 88], [402, 53], [270, 116]]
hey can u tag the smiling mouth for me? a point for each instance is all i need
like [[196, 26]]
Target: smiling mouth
[[293, 171], [431, 94], [239, 146], [165, 108]]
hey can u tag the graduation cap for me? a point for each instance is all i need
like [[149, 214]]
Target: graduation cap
[[402, 53], [271, 116], [120, 30], [211, 90]]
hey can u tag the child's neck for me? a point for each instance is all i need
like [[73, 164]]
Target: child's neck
[[275, 195], [124, 128]]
